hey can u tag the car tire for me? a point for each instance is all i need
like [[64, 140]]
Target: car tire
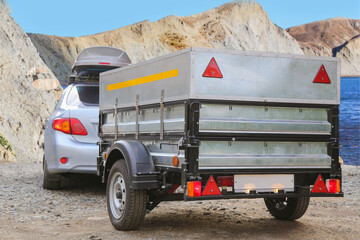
[[126, 206], [50, 181], [295, 207]]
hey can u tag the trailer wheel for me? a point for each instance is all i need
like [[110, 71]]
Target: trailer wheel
[[288, 208], [126, 206]]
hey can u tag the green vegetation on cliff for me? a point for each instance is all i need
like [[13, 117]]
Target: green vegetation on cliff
[[5, 144]]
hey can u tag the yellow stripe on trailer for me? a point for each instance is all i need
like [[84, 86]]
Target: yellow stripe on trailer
[[138, 81]]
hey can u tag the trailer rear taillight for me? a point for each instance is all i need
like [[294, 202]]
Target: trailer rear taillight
[[225, 181], [194, 189], [333, 185], [69, 126]]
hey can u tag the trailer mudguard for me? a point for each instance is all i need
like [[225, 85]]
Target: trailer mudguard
[[138, 160]]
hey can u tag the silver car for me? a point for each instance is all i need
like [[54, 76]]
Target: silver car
[[71, 132]]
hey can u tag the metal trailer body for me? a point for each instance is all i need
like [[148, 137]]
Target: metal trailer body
[[266, 117]]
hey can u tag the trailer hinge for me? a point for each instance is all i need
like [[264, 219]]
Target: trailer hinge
[[116, 114], [162, 115], [137, 117]]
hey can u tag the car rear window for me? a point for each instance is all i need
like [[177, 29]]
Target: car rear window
[[87, 95]]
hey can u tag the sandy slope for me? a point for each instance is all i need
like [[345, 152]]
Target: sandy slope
[[237, 25]]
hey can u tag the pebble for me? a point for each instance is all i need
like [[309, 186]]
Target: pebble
[[22, 203]]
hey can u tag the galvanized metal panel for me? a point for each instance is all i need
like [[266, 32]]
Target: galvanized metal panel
[[218, 154], [163, 153], [255, 119], [149, 120], [175, 88], [265, 77], [247, 76], [243, 155]]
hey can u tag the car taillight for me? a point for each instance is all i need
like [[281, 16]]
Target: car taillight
[[69, 126], [76, 127], [62, 124]]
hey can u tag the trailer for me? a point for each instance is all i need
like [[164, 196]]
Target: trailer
[[203, 124]]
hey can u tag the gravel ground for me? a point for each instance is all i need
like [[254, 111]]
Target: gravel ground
[[29, 212]]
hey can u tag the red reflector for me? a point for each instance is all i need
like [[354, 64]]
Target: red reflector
[[211, 187], [63, 160], [334, 185], [225, 181], [173, 189], [104, 63], [322, 76], [319, 186], [212, 70]]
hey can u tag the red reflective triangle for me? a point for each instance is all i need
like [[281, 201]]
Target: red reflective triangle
[[173, 189], [211, 188], [322, 76], [212, 70], [319, 186]]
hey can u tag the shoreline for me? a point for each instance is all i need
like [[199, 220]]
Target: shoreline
[[349, 76]]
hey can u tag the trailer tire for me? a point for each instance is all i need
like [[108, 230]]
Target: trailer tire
[[126, 206], [50, 181], [295, 208]]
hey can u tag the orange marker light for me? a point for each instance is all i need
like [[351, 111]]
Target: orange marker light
[[190, 189], [175, 161]]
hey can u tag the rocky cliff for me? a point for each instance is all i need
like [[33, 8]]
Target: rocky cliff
[[349, 52], [28, 91], [336, 37], [241, 25]]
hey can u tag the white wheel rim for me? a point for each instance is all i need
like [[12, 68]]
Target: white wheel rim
[[117, 195]]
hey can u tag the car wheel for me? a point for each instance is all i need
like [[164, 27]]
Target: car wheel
[[288, 208], [126, 206], [50, 181]]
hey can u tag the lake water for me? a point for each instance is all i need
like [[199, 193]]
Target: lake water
[[350, 120]]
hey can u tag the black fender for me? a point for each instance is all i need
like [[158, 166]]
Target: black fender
[[138, 160]]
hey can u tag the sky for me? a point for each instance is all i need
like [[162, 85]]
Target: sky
[[84, 17]]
